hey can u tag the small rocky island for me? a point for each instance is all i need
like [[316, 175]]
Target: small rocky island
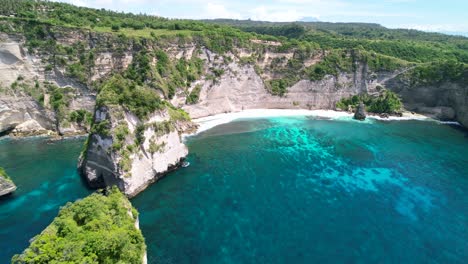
[[6, 184], [360, 113], [101, 228]]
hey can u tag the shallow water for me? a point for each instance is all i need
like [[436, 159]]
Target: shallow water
[[276, 190]]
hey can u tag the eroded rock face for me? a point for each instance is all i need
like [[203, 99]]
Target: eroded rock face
[[24, 115], [161, 151], [446, 101], [6, 187]]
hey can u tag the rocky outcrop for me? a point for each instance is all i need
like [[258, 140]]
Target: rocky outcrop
[[23, 114], [445, 101], [6, 184], [360, 113], [132, 166]]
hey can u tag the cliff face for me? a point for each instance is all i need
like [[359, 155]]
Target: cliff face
[[25, 94], [115, 159], [445, 101], [241, 87], [131, 153]]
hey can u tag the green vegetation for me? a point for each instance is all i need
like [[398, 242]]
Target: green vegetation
[[118, 90], [337, 61], [333, 63], [96, 229], [125, 163], [139, 134], [162, 128], [438, 72], [4, 175], [405, 44], [166, 76], [81, 117], [178, 114], [154, 147], [194, 95], [279, 86], [153, 74], [387, 102], [215, 37], [101, 128], [120, 134]]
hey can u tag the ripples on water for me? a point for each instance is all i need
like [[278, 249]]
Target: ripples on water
[[296, 190], [46, 177], [277, 190]]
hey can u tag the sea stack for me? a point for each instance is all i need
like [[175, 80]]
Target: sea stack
[[360, 113]]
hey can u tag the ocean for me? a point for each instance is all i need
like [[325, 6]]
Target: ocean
[[275, 190]]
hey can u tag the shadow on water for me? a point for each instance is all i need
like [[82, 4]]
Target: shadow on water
[[459, 128]]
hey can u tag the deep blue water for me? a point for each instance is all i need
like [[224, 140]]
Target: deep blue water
[[46, 177], [295, 190], [278, 190]]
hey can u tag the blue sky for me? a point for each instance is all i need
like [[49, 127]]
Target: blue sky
[[428, 15]]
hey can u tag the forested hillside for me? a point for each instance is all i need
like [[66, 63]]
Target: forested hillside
[[408, 44], [334, 47]]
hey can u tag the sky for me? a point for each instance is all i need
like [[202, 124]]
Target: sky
[[449, 16]]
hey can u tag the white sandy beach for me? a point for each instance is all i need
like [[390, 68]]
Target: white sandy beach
[[209, 122]]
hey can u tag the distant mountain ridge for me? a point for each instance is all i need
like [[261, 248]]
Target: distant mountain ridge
[[309, 19]]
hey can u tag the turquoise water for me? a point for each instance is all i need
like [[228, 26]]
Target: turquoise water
[[278, 190], [46, 177], [295, 190]]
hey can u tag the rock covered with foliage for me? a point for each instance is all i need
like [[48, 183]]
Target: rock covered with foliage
[[101, 228], [135, 139], [382, 102], [360, 113], [6, 184]]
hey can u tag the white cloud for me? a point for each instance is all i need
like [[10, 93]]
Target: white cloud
[[217, 10], [263, 13], [437, 27]]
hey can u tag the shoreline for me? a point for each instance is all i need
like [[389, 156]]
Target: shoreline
[[51, 138], [208, 122]]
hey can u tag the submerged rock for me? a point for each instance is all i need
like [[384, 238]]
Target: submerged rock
[[360, 113], [6, 184]]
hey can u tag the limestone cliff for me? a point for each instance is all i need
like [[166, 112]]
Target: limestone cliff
[[242, 87], [28, 90], [443, 101], [133, 153], [55, 90]]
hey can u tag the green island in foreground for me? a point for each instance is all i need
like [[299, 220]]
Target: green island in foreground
[[6, 184], [101, 228], [344, 66]]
